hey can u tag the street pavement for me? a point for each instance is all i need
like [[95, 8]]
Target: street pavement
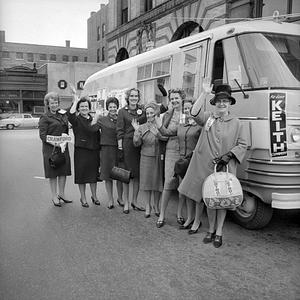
[[72, 252]]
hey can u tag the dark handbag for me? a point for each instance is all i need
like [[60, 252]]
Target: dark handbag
[[182, 164], [120, 174], [57, 158]]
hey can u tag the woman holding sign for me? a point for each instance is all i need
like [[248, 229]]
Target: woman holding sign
[[54, 124], [86, 149]]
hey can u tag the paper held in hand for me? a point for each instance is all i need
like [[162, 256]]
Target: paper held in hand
[[59, 139]]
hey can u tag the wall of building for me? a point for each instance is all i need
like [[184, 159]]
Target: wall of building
[[165, 19], [28, 54], [97, 43]]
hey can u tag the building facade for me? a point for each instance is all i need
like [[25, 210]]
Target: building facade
[[16, 54], [133, 27]]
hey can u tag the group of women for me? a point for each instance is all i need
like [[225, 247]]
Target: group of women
[[137, 139]]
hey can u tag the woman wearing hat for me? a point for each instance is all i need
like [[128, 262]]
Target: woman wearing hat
[[222, 141], [109, 148], [151, 177]]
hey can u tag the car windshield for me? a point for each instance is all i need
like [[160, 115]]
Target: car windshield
[[258, 60]]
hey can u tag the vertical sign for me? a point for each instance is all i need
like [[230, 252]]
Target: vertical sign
[[277, 119]]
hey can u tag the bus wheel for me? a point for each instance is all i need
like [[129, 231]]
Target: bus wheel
[[253, 213]]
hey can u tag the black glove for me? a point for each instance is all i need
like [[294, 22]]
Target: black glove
[[120, 155], [162, 89], [223, 160]]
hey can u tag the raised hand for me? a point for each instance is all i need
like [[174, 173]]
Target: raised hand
[[158, 121], [135, 124], [207, 87]]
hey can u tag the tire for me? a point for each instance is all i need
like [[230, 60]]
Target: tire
[[257, 215], [10, 126]]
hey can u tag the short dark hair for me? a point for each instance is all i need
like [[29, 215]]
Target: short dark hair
[[84, 99], [128, 92], [181, 92], [111, 100]]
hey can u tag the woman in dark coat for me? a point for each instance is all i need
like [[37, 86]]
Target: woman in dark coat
[[109, 148], [55, 123], [86, 150], [131, 153]]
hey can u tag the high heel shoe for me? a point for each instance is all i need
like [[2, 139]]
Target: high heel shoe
[[193, 231], [65, 200], [95, 201], [189, 226], [120, 203], [84, 204], [110, 206], [56, 203], [137, 208], [126, 211]]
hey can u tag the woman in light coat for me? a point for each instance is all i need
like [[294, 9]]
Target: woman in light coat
[[222, 141]]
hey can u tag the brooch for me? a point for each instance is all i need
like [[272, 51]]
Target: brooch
[[139, 111]]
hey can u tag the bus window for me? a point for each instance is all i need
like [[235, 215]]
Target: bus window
[[228, 64], [190, 71], [272, 60]]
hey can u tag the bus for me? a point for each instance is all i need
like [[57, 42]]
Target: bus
[[260, 59]]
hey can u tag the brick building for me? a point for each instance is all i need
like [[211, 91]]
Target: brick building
[[133, 27]]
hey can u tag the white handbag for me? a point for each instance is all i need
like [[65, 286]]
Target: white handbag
[[222, 190]]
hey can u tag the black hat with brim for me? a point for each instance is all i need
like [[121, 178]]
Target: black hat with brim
[[221, 95]]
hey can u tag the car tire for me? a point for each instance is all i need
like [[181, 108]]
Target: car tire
[[10, 126], [253, 213]]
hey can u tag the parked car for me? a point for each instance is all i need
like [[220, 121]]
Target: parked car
[[19, 120]]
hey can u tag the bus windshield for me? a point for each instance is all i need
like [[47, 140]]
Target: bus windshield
[[261, 60]]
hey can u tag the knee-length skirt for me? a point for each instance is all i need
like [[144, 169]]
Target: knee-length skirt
[[171, 182], [132, 157], [64, 170], [86, 165], [108, 159], [151, 177]]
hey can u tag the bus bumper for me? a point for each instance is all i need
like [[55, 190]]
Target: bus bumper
[[285, 201]]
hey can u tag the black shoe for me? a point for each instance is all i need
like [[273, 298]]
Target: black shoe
[[208, 238], [137, 208], [120, 203], [180, 220], [65, 200], [147, 215], [110, 206], [192, 231], [217, 241], [182, 227], [58, 204], [95, 201], [84, 204], [157, 214], [126, 211], [160, 224]]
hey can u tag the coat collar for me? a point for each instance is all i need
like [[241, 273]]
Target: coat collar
[[225, 118]]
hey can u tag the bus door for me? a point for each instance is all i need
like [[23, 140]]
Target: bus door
[[194, 67]]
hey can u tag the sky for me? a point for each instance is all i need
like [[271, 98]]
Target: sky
[[47, 22]]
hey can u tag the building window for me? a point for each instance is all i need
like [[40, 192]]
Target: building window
[[266, 8], [124, 11], [148, 5], [65, 58], [103, 54], [19, 55], [74, 58], [53, 57], [103, 30], [98, 33], [43, 56], [98, 55], [29, 56], [5, 54], [85, 59]]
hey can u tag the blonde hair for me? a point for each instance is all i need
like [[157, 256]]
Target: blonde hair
[[128, 92], [51, 95]]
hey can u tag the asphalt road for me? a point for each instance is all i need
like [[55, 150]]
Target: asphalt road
[[77, 253]]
